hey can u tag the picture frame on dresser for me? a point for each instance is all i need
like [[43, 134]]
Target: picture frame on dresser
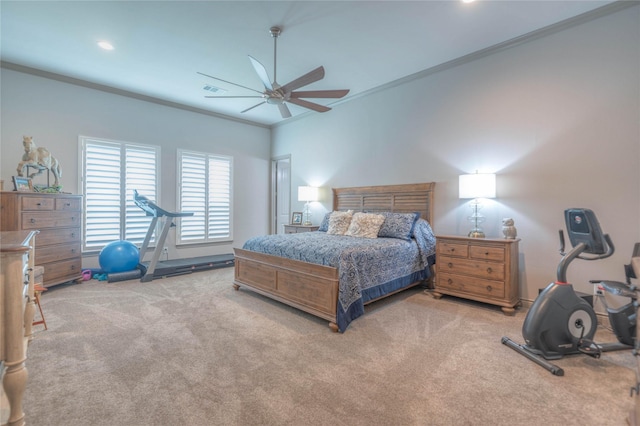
[[296, 218], [22, 184]]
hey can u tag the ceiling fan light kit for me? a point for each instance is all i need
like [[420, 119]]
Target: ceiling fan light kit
[[274, 94]]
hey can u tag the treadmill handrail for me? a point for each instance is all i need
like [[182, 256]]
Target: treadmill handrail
[[152, 209]]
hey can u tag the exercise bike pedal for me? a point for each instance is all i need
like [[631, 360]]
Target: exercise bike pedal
[[588, 347]]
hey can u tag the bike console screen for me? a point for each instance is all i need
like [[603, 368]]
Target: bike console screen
[[583, 227]]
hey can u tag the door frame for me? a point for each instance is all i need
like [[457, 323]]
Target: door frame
[[273, 220]]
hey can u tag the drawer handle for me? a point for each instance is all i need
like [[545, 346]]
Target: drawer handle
[[449, 281], [73, 250], [489, 288], [489, 270], [73, 234], [73, 267], [32, 220], [67, 204], [38, 204], [452, 250], [450, 265]]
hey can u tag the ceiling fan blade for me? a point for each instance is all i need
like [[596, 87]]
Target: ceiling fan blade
[[310, 105], [308, 78], [284, 110], [320, 94], [235, 84], [250, 108], [262, 72], [230, 97]]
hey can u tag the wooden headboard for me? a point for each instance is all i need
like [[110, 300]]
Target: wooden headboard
[[414, 197]]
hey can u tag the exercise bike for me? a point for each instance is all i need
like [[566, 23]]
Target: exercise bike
[[560, 322]]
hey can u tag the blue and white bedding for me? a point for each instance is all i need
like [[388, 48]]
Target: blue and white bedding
[[368, 267]]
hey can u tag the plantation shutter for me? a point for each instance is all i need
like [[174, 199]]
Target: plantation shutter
[[111, 171], [219, 197], [204, 190], [141, 175]]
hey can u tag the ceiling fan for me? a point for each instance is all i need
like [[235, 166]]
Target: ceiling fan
[[275, 94]]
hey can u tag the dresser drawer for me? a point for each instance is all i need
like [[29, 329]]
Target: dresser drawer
[[470, 285], [296, 229], [38, 203], [58, 272], [57, 252], [475, 268], [57, 236], [486, 253], [68, 204], [453, 249], [39, 220]]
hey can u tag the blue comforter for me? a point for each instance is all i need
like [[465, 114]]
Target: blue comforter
[[368, 268]]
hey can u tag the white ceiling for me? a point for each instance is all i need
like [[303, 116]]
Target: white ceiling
[[161, 45]]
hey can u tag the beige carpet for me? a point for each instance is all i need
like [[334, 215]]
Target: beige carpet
[[190, 350]]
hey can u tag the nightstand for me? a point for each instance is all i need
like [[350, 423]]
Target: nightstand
[[296, 229], [481, 269]]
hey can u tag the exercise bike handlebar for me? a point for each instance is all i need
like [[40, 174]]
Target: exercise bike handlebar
[[576, 253]]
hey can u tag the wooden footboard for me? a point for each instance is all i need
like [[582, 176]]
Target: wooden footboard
[[305, 286]]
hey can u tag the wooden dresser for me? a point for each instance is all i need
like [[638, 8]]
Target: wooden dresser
[[58, 217], [17, 308], [296, 229], [481, 269]]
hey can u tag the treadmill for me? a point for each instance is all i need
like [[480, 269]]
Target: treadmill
[[155, 268]]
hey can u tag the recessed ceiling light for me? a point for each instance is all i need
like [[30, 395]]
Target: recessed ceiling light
[[105, 45], [468, 1]]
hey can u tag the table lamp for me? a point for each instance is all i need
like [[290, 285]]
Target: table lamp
[[307, 194], [477, 186]]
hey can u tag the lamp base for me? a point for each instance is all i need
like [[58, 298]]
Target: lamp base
[[306, 223], [476, 233]]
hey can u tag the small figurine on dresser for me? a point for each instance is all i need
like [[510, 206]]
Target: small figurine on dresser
[[40, 159], [508, 230]]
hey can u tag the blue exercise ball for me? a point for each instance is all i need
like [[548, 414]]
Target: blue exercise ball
[[119, 256]]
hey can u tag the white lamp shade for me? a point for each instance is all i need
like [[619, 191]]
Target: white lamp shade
[[307, 193], [478, 185]]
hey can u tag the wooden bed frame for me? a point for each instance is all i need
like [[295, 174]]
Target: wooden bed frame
[[314, 288]]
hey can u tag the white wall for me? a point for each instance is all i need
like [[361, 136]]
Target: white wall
[[557, 118], [56, 113]]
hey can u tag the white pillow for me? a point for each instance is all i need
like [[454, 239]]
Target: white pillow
[[339, 222], [365, 225]]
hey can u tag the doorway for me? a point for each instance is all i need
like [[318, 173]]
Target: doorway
[[280, 193]]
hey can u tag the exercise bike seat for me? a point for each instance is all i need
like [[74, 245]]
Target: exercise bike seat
[[619, 288]]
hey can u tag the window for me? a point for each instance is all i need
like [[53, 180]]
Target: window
[[205, 189], [111, 170]]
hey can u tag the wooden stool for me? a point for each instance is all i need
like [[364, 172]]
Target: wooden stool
[[37, 289]]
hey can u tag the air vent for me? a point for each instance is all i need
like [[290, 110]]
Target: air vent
[[213, 89]]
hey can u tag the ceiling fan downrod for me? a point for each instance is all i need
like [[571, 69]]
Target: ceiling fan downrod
[[275, 33]]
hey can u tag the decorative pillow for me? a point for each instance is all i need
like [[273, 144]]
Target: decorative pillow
[[398, 225], [339, 222], [365, 225], [324, 225]]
